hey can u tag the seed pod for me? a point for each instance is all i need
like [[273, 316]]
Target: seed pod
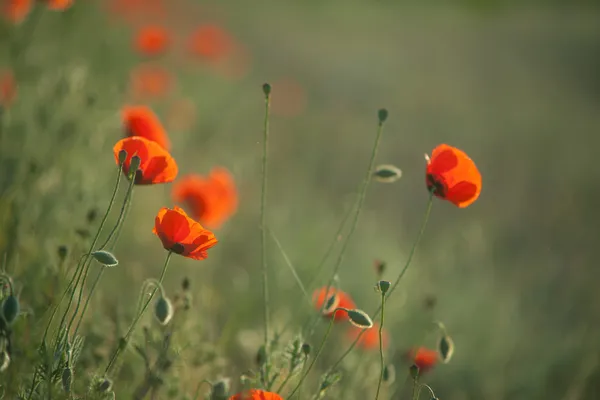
[[10, 309], [163, 310], [360, 319]]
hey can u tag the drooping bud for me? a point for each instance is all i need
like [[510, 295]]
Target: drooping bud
[[360, 319], [446, 348], [387, 173], [163, 310], [105, 257], [332, 302], [10, 309]]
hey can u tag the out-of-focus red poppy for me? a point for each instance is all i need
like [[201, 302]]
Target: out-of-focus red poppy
[[453, 176], [181, 115], [182, 235], [370, 339], [152, 40], [8, 88], [150, 81], [255, 394], [16, 10], [289, 98], [59, 5], [236, 65], [343, 300], [423, 358], [211, 200], [210, 42], [141, 121], [156, 165]]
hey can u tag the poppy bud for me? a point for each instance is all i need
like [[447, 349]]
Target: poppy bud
[[67, 378], [446, 348], [134, 164], [414, 371], [360, 319], [306, 349], [163, 310], [382, 114], [62, 252], [266, 89], [220, 390], [105, 257], [389, 374], [10, 309], [122, 156], [332, 302], [383, 287], [387, 173], [4, 361]]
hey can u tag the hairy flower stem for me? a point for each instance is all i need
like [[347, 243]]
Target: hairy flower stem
[[381, 345], [361, 200], [263, 230], [125, 339], [397, 281], [77, 275], [314, 360]]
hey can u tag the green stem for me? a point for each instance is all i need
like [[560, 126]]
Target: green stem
[[415, 389], [361, 199], [381, 345], [397, 281], [263, 231], [138, 316], [321, 346]]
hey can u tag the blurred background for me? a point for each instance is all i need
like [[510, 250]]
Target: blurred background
[[516, 85]]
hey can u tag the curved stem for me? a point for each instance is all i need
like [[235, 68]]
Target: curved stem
[[263, 232], [321, 346], [397, 281], [138, 316], [381, 345]]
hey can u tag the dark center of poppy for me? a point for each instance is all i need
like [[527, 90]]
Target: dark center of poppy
[[437, 184], [177, 248]]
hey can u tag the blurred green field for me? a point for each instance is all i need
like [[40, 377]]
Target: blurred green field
[[515, 85]]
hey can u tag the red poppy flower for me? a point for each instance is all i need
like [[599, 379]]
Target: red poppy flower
[[16, 10], [150, 81], [210, 42], [255, 394], [453, 175], [343, 300], [210, 200], [141, 121], [156, 166], [182, 235], [370, 339], [423, 358], [151, 40], [59, 5], [8, 88]]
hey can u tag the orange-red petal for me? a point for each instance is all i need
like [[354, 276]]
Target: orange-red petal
[[141, 121], [343, 301], [156, 166], [256, 394]]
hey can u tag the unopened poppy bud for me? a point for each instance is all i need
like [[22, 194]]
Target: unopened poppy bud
[[261, 356], [4, 361], [163, 310], [62, 252], [266, 89], [383, 286], [389, 374], [220, 390], [105, 257], [387, 173], [382, 114], [360, 319], [306, 349], [10, 309], [331, 304], [446, 348], [134, 164], [104, 385], [414, 371], [67, 379], [122, 156]]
